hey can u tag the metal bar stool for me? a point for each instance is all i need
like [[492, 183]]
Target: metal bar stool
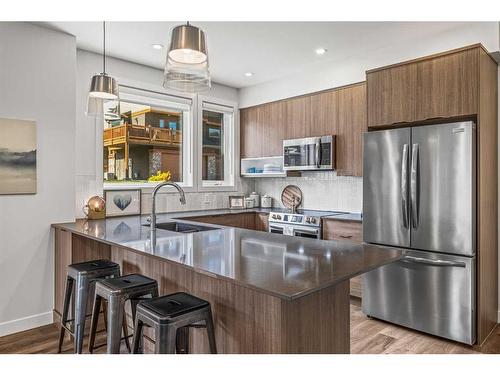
[[116, 292], [171, 316], [85, 274]]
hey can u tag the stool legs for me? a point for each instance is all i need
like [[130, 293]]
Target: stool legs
[[138, 325], [64, 319], [165, 337], [210, 331], [115, 324], [93, 324], [182, 340], [82, 286]]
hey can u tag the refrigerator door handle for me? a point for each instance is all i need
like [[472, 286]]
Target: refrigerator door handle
[[431, 262], [414, 185], [404, 185], [318, 153]]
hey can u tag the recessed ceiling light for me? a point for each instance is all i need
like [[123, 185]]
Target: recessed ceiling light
[[320, 51], [157, 46], [248, 74]]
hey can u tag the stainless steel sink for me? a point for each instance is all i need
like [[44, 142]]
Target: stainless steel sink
[[182, 227]]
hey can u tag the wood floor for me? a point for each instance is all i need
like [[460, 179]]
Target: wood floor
[[368, 336]]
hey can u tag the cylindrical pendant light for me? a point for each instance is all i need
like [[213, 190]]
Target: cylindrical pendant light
[[186, 68], [102, 86], [187, 45]]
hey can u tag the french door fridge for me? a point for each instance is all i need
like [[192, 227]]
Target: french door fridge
[[419, 194]]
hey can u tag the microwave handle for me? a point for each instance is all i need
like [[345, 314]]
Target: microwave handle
[[318, 153]]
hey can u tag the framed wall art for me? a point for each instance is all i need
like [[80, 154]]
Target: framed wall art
[[122, 202], [17, 156]]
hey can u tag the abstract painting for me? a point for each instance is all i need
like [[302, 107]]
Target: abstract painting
[[17, 156]]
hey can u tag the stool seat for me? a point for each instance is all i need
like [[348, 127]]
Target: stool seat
[[127, 283], [173, 305], [92, 265]]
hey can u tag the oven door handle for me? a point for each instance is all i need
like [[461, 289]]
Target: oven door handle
[[313, 232]]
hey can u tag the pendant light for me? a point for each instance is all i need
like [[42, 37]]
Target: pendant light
[[186, 68], [103, 88]]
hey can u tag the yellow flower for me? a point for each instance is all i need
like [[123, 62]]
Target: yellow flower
[[160, 176]]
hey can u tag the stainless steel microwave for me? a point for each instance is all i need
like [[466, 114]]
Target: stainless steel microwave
[[313, 153]]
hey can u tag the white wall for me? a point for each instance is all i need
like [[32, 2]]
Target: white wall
[[89, 179], [352, 69], [37, 81]]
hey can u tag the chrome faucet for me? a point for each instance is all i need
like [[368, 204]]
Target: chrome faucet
[[152, 218]]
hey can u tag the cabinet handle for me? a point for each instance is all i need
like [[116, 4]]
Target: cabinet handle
[[344, 236]]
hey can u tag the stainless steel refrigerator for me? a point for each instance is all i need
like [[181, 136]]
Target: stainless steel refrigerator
[[419, 193]]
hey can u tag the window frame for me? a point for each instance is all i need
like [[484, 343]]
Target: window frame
[[231, 144], [158, 99]]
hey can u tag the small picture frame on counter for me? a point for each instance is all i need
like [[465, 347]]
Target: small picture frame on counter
[[236, 202], [122, 202]]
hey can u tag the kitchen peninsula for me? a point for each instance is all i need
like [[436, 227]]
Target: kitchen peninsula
[[269, 293]]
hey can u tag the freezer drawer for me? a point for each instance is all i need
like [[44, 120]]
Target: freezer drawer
[[429, 292]]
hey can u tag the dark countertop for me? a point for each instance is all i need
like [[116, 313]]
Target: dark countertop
[[347, 216], [283, 266]]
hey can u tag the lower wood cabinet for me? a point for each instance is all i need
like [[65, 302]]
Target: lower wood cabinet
[[245, 220], [350, 231], [261, 222]]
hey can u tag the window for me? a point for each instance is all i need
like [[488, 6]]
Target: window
[[151, 135], [217, 145]]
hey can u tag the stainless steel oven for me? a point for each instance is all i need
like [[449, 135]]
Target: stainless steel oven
[[313, 153]]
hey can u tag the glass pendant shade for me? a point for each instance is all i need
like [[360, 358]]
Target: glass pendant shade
[[187, 45], [187, 68], [106, 109], [103, 86], [187, 77]]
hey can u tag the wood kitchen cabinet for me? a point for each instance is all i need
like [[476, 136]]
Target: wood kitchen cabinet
[[350, 231], [298, 115], [250, 133], [261, 222], [391, 95], [447, 86], [340, 112], [444, 85], [245, 220]]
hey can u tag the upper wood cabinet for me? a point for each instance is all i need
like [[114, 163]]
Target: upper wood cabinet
[[340, 112], [298, 114], [391, 95], [438, 86], [447, 86]]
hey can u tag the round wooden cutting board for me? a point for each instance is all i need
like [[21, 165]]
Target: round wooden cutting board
[[291, 197]]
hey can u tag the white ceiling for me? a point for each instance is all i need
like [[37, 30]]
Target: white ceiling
[[270, 50]]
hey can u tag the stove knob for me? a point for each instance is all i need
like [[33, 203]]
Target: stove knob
[[312, 220]]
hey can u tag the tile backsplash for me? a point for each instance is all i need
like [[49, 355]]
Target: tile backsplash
[[321, 190]]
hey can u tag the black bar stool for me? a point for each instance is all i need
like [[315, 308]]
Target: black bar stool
[[171, 316], [116, 292], [85, 274]]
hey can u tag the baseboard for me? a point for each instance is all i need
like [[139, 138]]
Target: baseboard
[[23, 324]]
